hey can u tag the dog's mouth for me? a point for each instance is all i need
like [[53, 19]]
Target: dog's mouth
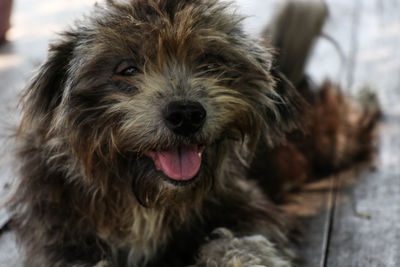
[[180, 163]]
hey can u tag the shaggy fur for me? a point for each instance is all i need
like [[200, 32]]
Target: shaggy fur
[[94, 117]]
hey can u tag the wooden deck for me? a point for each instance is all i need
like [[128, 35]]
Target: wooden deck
[[351, 219]]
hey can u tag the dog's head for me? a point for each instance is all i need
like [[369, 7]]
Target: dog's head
[[158, 95]]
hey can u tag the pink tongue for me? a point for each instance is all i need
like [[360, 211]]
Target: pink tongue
[[180, 163]]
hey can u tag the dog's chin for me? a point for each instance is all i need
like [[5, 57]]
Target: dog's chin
[[179, 165]]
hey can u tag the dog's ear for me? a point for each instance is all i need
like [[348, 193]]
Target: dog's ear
[[292, 50], [281, 105], [43, 94], [291, 105]]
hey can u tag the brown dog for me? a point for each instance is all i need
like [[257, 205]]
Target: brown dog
[[136, 137]]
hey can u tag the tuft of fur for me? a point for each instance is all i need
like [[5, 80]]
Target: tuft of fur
[[339, 131], [89, 194], [227, 250]]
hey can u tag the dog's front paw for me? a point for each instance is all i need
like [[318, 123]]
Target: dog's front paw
[[226, 250]]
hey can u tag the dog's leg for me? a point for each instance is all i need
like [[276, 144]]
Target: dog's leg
[[226, 249]]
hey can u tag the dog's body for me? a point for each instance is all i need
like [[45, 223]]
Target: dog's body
[[136, 137]]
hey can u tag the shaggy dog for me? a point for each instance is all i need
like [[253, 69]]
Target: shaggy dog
[[137, 136]]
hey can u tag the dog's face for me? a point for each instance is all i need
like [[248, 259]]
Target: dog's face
[[156, 95]]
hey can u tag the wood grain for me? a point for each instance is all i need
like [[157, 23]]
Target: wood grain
[[365, 229]]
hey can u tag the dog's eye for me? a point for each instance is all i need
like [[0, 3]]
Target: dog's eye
[[126, 68], [211, 67]]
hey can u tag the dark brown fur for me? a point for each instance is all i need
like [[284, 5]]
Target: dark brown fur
[[88, 195], [338, 132]]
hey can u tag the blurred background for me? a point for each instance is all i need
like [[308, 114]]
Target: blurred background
[[360, 47]]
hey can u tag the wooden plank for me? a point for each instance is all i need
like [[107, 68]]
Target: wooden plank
[[367, 40], [365, 230], [313, 208], [334, 61]]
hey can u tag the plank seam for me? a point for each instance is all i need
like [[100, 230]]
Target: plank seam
[[332, 207]]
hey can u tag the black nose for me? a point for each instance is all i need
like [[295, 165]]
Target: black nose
[[184, 117]]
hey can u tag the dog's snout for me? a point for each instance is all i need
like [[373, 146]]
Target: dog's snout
[[184, 117]]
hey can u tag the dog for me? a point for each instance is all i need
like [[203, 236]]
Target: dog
[[139, 136]]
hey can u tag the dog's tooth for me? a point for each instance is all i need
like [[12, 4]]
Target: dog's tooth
[[200, 154]]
